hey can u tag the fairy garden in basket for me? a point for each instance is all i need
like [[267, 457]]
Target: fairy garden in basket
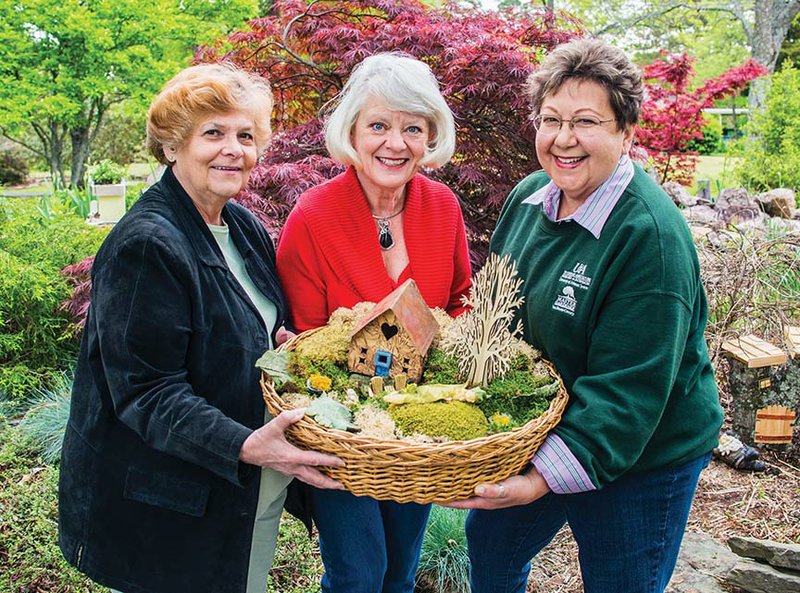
[[399, 370]]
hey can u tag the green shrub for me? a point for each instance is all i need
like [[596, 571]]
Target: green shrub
[[711, 142], [444, 564], [13, 168], [33, 330], [52, 243], [37, 336], [107, 172], [771, 150]]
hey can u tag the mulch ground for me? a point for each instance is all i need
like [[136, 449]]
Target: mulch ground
[[727, 503]]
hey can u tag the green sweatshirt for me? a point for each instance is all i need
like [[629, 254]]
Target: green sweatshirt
[[622, 319]]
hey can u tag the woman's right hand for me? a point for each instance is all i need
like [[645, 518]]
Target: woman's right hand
[[268, 447]]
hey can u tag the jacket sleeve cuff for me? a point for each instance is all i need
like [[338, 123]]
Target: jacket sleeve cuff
[[560, 468]]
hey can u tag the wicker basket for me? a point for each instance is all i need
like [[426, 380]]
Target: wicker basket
[[389, 469]]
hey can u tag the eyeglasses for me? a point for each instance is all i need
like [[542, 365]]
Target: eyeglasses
[[582, 126]]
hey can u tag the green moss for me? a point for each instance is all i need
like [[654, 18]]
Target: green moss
[[455, 420], [521, 394], [440, 368], [329, 343], [302, 367]]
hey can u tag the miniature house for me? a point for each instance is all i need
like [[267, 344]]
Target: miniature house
[[395, 337]]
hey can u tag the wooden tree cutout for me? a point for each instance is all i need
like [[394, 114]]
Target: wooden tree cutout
[[480, 338]]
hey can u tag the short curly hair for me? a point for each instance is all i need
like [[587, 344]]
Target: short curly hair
[[596, 61], [404, 84], [200, 91]]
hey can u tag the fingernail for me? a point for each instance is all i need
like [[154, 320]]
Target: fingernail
[[480, 490]]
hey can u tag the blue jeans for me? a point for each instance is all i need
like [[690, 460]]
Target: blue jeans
[[367, 546], [628, 533]]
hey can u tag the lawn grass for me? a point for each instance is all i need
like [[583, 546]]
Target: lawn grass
[[718, 169]]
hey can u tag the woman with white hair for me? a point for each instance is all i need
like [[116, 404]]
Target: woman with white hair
[[356, 238]]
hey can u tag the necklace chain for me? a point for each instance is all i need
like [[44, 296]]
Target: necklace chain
[[384, 229]]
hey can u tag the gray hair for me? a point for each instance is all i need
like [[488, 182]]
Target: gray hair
[[405, 84], [596, 61]]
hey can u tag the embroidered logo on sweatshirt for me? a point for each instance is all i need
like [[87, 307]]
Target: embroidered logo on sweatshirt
[[575, 278], [566, 301]]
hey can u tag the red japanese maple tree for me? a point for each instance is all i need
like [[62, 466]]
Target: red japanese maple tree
[[672, 114], [307, 49]]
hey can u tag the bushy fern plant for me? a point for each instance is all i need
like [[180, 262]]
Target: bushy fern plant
[[444, 564]]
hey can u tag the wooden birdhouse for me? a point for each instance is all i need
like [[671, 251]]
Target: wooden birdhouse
[[763, 388], [395, 337]]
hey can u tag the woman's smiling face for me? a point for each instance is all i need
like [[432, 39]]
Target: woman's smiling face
[[215, 161], [390, 145], [579, 163]]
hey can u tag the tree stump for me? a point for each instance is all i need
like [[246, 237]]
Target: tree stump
[[765, 387]]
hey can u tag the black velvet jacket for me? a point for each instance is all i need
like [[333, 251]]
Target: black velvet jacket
[[153, 497]]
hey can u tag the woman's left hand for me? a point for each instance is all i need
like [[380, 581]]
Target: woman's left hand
[[283, 335], [515, 491]]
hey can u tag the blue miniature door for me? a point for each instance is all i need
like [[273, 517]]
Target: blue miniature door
[[383, 362]]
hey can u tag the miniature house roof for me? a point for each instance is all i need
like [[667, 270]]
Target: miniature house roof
[[410, 309]]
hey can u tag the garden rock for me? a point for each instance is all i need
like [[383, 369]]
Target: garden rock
[[702, 214], [756, 577], [703, 562], [735, 205], [679, 195], [778, 203], [774, 553]]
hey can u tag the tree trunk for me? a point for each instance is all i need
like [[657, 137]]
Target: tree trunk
[[82, 138], [54, 145], [80, 152], [772, 22]]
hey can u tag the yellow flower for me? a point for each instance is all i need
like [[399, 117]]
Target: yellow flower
[[501, 419], [321, 382]]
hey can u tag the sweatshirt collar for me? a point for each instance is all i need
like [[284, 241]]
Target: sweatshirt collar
[[595, 210]]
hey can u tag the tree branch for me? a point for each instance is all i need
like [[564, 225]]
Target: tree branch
[[734, 10]]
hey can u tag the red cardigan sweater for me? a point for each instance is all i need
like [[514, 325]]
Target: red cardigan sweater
[[329, 257]]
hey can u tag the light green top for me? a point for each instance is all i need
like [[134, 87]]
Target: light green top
[[272, 490], [266, 308]]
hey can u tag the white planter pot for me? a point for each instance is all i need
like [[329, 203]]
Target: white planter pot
[[110, 201]]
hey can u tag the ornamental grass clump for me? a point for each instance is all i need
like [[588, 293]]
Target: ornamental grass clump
[[444, 563]]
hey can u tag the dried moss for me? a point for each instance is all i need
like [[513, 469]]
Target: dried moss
[[455, 420]]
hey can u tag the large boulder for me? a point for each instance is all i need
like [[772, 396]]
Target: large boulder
[[756, 577], [702, 214], [703, 562]]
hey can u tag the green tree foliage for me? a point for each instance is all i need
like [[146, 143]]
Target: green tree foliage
[[64, 63], [771, 151]]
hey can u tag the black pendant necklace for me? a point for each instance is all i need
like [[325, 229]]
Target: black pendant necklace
[[384, 229]]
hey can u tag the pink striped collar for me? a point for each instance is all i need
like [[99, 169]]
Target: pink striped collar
[[594, 212]]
